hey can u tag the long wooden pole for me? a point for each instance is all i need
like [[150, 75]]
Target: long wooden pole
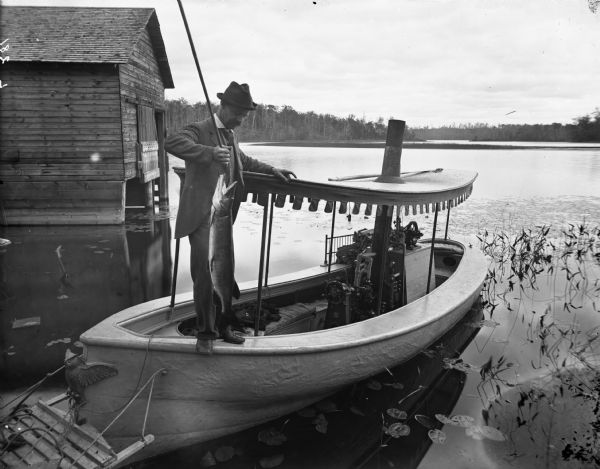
[[189, 35], [174, 281]]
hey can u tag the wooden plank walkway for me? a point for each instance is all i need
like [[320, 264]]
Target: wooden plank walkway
[[45, 435]]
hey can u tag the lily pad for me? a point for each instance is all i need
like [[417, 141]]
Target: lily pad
[[445, 420], [397, 413], [374, 385], [458, 364], [208, 460], [320, 423], [462, 420], [456, 420], [437, 436], [272, 437], [396, 430], [426, 421], [474, 432]]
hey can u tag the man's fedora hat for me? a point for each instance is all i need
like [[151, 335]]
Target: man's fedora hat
[[238, 95]]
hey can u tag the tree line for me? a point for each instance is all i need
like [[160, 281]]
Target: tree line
[[583, 129], [270, 123], [283, 123]]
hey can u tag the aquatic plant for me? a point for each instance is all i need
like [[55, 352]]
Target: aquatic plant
[[565, 263]]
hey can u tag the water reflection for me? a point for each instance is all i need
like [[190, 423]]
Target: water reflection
[[58, 281]]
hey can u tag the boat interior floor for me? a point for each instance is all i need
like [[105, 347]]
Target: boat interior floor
[[298, 303]]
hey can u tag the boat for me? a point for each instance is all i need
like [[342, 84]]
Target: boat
[[356, 418], [336, 324]]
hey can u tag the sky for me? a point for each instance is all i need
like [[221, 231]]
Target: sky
[[428, 62]]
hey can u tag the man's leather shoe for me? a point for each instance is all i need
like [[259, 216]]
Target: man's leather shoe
[[231, 337]]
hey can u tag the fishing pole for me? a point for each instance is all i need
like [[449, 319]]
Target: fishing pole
[[212, 117]]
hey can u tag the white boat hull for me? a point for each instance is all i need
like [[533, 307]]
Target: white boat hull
[[204, 396]]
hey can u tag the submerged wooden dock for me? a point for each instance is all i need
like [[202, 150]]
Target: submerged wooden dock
[[43, 434]]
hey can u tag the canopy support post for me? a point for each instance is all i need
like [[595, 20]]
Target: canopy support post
[[437, 206], [447, 222], [381, 242], [261, 264], [269, 240], [331, 238]]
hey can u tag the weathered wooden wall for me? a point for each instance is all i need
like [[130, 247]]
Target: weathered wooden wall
[[72, 135], [141, 85], [61, 152]]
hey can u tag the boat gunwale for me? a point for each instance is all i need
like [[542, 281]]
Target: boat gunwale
[[356, 334]]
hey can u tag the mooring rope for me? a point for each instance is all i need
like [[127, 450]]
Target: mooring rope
[[31, 389], [131, 400]]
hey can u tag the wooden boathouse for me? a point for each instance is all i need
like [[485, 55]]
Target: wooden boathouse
[[81, 114]]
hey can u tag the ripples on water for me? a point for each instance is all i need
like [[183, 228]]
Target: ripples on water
[[524, 363]]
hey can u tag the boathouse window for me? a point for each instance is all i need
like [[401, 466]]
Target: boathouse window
[[147, 144]]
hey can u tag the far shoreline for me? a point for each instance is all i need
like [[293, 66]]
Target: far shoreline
[[413, 144]]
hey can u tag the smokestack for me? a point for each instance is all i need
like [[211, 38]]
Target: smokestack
[[390, 170]]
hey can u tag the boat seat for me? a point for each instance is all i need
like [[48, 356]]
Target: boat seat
[[299, 317]]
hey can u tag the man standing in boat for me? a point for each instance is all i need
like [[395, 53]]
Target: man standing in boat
[[198, 145]]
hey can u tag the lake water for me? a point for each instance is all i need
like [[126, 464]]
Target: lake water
[[55, 282]]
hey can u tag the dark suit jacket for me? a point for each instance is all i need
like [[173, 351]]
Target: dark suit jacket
[[193, 145]]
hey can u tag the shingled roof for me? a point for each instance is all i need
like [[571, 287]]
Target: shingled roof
[[81, 35]]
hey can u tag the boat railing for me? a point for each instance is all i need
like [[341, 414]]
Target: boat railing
[[332, 244]]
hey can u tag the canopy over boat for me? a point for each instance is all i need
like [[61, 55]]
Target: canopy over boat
[[418, 191]]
